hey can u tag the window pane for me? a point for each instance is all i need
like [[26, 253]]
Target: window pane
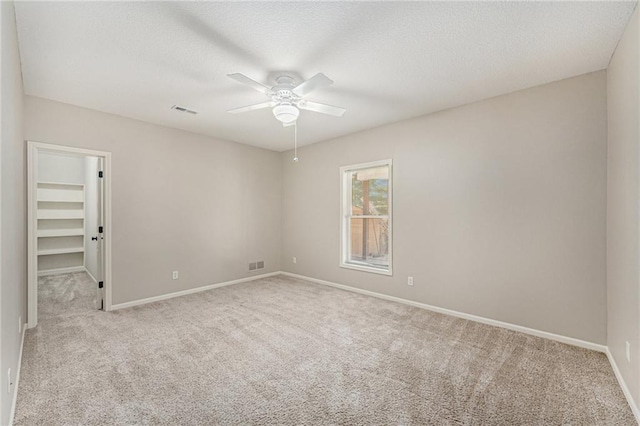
[[370, 191], [369, 242], [356, 194]]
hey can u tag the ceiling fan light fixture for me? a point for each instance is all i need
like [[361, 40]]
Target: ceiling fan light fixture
[[286, 113]]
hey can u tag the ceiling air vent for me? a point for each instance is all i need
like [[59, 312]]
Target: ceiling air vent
[[183, 109]]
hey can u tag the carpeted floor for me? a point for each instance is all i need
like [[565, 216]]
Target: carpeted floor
[[66, 294], [284, 351]]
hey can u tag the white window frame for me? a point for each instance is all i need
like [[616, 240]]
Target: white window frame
[[345, 215]]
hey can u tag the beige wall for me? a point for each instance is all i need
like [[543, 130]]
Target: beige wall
[[499, 208], [181, 201], [53, 167], [623, 196], [13, 284]]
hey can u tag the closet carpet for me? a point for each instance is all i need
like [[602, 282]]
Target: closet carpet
[[66, 294], [285, 351]]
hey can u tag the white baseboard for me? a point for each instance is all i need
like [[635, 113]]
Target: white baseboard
[[190, 291], [17, 383], [61, 271], [90, 275], [623, 385], [488, 321]]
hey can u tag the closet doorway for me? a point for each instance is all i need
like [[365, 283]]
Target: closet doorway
[[69, 231]]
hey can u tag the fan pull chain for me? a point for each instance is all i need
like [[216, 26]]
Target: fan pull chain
[[295, 141]]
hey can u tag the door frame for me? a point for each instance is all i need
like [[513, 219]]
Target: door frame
[[33, 150]]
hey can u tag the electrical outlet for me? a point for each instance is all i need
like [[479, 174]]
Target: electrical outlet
[[260, 264], [175, 275], [294, 260], [9, 384], [410, 281], [19, 325], [252, 266], [628, 352]]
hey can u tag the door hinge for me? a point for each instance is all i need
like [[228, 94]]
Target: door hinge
[[100, 230], [100, 174], [100, 284]]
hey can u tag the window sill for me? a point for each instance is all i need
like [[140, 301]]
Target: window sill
[[364, 268]]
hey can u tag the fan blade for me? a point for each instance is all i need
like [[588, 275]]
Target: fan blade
[[324, 109], [291, 123], [241, 78], [251, 107], [316, 82]]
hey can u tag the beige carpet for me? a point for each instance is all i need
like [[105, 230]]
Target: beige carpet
[[284, 351], [66, 294]]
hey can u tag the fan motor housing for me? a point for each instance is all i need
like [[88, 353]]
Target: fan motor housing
[[283, 90]]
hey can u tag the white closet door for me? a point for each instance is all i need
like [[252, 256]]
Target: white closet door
[[101, 234]]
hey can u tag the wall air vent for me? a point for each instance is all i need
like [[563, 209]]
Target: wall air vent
[[183, 109], [256, 265]]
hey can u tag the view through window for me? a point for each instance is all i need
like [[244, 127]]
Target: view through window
[[366, 231]]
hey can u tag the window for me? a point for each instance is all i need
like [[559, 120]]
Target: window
[[366, 217]]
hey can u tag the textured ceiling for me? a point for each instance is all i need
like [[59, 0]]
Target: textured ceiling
[[389, 60]]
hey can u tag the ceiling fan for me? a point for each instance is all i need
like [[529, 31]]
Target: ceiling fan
[[287, 98]]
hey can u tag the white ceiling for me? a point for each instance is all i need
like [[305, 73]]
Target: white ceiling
[[389, 60]]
